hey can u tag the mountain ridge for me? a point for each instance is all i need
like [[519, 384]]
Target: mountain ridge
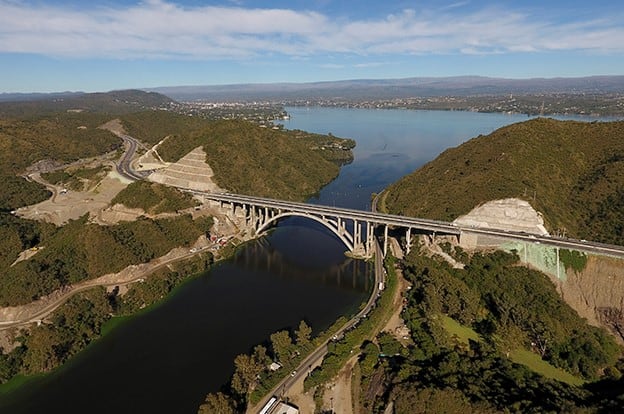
[[394, 88]]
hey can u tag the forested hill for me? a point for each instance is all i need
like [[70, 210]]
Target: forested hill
[[245, 157], [572, 172], [114, 102]]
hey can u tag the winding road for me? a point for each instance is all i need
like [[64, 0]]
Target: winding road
[[123, 166]]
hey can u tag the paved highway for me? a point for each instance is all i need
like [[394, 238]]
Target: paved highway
[[123, 167], [437, 226]]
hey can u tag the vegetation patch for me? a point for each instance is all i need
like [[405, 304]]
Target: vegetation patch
[[573, 259], [17, 234], [466, 328], [80, 251], [527, 358], [537, 364], [76, 179], [154, 198], [18, 192], [463, 333]]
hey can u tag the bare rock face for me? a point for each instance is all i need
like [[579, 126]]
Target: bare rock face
[[597, 293], [507, 214], [190, 172]]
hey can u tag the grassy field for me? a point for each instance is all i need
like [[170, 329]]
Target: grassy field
[[520, 356], [463, 333], [537, 364]]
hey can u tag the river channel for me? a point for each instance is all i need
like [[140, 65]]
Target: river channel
[[167, 358]]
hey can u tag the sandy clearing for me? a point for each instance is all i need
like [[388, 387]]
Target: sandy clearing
[[304, 401], [71, 205], [337, 396]]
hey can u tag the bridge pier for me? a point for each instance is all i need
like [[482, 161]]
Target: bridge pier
[[354, 228], [370, 238], [385, 245], [408, 240]]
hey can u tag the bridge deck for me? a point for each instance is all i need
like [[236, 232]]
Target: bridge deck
[[435, 226]]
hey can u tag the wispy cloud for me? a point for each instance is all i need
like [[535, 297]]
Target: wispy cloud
[[331, 66], [162, 29]]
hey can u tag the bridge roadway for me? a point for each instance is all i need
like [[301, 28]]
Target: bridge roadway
[[434, 226]]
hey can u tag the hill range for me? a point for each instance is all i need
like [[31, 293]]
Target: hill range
[[358, 89], [395, 88]]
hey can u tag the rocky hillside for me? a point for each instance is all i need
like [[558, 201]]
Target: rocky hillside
[[572, 172]]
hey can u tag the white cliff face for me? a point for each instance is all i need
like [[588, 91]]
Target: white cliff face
[[507, 214], [191, 172]]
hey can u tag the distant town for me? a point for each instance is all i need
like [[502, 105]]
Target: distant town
[[265, 112]]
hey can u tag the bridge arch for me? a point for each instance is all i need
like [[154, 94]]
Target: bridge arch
[[265, 225]]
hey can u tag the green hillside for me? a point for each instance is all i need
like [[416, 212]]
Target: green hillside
[[572, 172], [112, 103], [248, 159], [154, 198], [60, 138]]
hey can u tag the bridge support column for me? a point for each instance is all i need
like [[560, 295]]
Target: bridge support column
[[408, 240], [357, 238], [369, 239], [253, 218], [558, 272], [385, 246]]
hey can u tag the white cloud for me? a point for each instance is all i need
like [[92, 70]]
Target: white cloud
[[163, 29], [331, 66]]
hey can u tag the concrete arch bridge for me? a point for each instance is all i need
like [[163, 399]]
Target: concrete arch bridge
[[357, 228]]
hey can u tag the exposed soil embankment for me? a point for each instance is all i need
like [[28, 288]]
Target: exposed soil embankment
[[597, 293]]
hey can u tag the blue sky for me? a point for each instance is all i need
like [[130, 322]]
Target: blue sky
[[82, 45]]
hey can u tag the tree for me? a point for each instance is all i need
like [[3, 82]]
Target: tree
[[281, 343], [303, 334], [218, 403], [246, 373], [260, 356]]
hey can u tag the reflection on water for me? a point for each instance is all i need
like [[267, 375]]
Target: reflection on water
[[260, 256]]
